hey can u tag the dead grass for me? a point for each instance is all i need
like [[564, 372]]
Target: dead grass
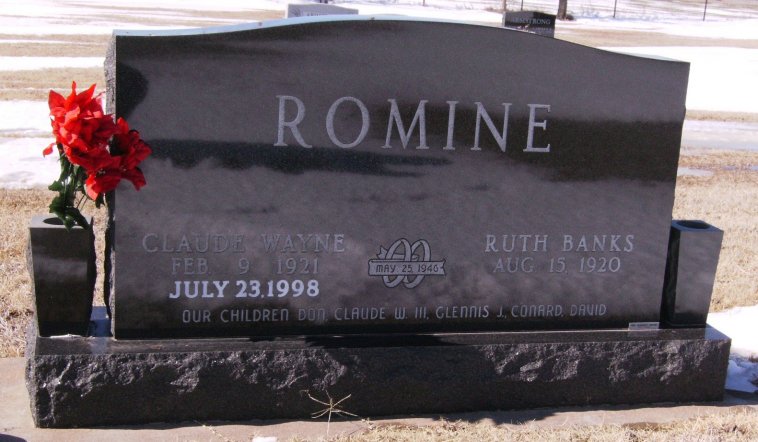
[[51, 38], [163, 17], [16, 208], [629, 38], [738, 424], [167, 18], [51, 49], [729, 200], [77, 45], [733, 117], [35, 85], [16, 305]]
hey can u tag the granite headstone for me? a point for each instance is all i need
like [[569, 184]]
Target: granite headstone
[[397, 177], [535, 22], [313, 10], [378, 175]]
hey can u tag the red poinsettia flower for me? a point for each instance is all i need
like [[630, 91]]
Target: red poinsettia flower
[[80, 125], [107, 178], [127, 152], [90, 159], [99, 149], [102, 181]]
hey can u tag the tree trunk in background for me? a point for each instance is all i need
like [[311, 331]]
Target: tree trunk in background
[[562, 7]]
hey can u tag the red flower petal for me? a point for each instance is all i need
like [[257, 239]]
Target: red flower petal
[[83, 97], [101, 182], [48, 150], [91, 159], [55, 99], [135, 176]]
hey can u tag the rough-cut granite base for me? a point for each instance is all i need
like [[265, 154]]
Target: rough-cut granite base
[[97, 381]]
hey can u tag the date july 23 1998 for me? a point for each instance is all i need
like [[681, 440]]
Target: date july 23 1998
[[245, 289]]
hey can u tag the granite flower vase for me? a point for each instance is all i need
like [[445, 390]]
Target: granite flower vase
[[62, 267]]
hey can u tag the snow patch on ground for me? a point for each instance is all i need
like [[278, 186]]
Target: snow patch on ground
[[740, 324], [34, 63], [732, 29], [746, 29], [24, 131], [24, 167], [688, 171], [720, 77], [25, 118], [742, 375], [720, 134]]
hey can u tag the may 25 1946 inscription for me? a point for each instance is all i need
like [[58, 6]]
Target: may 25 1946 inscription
[[356, 176]]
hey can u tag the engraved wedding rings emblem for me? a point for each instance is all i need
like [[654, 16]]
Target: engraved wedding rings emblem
[[405, 263]]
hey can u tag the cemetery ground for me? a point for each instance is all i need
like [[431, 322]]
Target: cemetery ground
[[722, 190]]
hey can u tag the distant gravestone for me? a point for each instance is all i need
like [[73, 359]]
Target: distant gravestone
[[312, 10], [297, 188], [535, 22]]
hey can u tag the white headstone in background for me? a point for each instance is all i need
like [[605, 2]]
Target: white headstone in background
[[310, 10]]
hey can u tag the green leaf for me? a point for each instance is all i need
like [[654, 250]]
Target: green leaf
[[64, 171], [77, 216], [57, 205], [56, 186]]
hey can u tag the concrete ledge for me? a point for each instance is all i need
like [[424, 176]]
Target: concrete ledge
[[99, 381]]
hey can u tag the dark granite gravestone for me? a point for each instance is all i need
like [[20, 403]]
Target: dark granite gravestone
[[312, 10], [381, 186], [535, 22], [367, 176]]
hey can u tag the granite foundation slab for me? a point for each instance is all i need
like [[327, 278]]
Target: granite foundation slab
[[97, 381]]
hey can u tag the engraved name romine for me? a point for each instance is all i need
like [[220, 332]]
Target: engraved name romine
[[292, 112]]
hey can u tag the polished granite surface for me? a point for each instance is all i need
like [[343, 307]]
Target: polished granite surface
[[375, 176]]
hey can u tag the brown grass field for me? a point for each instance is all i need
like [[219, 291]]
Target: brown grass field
[[728, 199]]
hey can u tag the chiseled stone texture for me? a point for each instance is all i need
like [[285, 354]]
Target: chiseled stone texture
[[99, 381]]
